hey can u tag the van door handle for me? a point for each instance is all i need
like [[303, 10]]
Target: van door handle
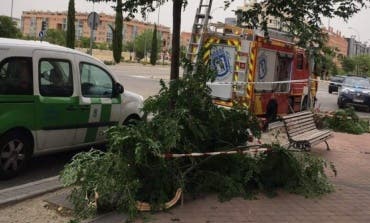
[[84, 107], [71, 108]]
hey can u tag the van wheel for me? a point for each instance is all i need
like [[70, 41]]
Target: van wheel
[[15, 151], [132, 120]]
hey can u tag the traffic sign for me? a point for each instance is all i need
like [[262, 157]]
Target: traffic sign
[[93, 20], [41, 34]]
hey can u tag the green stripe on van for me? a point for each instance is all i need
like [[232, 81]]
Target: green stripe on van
[[91, 133]]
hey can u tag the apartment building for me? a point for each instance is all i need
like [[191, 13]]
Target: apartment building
[[32, 20]]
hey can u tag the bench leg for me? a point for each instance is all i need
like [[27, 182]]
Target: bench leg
[[327, 146]]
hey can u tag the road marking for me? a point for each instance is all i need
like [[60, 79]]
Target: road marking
[[139, 76]]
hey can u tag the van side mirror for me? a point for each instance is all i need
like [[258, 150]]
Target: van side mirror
[[118, 89]]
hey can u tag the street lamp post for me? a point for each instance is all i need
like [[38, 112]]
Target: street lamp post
[[11, 11], [357, 46], [145, 37]]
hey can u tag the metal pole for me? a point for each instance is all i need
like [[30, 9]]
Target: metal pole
[[310, 71], [159, 12], [11, 11], [92, 35], [145, 40]]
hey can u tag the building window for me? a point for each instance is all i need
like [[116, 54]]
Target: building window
[[33, 26], [64, 26]]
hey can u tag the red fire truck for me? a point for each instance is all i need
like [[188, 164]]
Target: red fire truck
[[252, 70]]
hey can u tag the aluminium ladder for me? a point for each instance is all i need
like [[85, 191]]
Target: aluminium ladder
[[200, 27]]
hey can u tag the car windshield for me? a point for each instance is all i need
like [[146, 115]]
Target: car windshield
[[357, 83]]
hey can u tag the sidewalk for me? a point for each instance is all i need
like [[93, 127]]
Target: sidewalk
[[349, 203]]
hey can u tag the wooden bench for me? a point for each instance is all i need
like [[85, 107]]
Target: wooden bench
[[302, 132]]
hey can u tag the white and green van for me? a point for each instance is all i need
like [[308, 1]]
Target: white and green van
[[53, 98]]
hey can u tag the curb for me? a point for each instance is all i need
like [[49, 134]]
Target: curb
[[26, 191]]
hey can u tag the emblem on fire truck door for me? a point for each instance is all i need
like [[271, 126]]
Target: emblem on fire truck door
[[262, 67], [221, 61]]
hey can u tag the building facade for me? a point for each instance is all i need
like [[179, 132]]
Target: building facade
[[32, 20], [338, 42], [185, 38], [272, 21], [357, 48]]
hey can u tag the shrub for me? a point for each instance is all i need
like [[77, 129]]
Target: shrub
[[344, 120]]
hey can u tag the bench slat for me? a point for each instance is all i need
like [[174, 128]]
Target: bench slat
[[311, 135], [298, 118], [302, 129], [297, 114], [297, 125], [324, 139]]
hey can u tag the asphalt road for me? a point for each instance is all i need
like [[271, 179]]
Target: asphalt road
[[143, 80], [328, 102]]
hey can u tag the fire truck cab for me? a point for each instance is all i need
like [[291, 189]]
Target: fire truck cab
[[252, 69]]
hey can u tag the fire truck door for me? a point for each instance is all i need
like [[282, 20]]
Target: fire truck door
[[265, 70], [222, 61]]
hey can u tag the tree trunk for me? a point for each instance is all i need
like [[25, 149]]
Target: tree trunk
[[175, 57]]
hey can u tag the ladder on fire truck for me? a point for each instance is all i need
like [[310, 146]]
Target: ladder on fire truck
[[200, 27]]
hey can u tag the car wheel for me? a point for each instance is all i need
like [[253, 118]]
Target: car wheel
[[15, 151], [330, 90]]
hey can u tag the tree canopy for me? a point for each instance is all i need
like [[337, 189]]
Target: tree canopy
[[357, 65], [56, 37], [301, 18], [143, 43], [8, 28], [70, 37]]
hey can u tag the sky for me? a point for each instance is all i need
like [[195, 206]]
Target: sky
[[359, 23]]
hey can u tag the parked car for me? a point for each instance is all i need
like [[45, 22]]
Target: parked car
[[54, 98], [335, 83], [355, 92]]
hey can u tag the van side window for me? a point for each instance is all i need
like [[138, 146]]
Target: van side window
[[16, 76], [55, 78], [95, 82], [300, 60]]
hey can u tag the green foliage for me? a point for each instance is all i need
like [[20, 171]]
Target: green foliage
[[8, 28], [70, 38], [129, 46], [346, 120], [143, 43], [154, 48], [348, 65], [56, 37], [302, 19], [84, 42], [297, 172], [103, 174], [134, 168], [117, 33]]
